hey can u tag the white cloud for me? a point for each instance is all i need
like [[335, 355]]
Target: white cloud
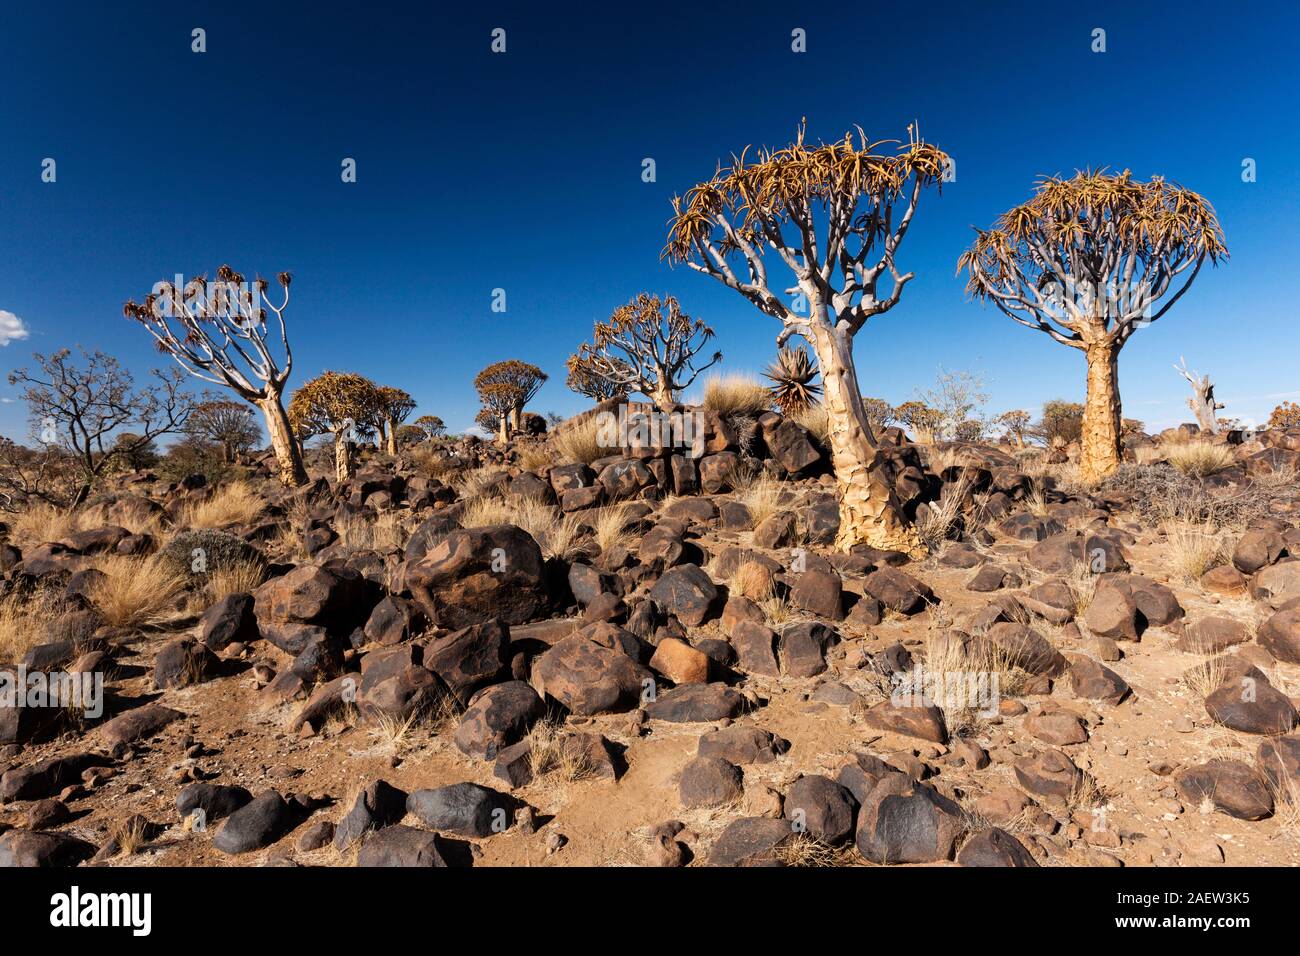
[[11, 328]]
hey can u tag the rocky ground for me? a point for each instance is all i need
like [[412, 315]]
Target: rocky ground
[[653, 659]]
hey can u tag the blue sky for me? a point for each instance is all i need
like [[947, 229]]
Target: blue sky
[[522, 171]]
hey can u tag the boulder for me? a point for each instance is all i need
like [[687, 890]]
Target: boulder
[[474, 575]]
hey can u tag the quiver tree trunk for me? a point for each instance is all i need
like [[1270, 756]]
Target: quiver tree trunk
[[663, 396], [869, 510], [392, 436], [1100, 440], [504, 427], [288, 454], [343, 462]]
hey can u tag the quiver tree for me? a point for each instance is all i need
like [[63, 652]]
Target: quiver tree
[[793, 389], [1201, 402], [922, 420], [218, 332], [343, 404], [431, 425], [585, 380], [83, 410], [225, 423], [1086, 261], [505, 388], [395, 406], [643, 349], [1014, 424], [834, 215], [498, 402]]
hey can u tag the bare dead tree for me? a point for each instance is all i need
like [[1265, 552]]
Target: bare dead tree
[[85, 409], [1202, 402], [218, 332]]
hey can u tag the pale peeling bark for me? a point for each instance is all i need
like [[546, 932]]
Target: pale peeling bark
[[663, 397], [392, 436], [285, 447], [869, 510], [344, 465], [1102, 415]]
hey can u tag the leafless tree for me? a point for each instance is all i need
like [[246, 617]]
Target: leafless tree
[[85, 409], [1202, 402]]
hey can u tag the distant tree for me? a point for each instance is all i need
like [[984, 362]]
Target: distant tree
[[137, 453], [1085, 261], [47, 474], [793, 387], [1061, 424], [1202, 401], [919, 418], [879, 413], [1284, 416], [835, 214], [83, 409], [971, 430], [642, 349], [584, 380], [956, 398], [228, 424], [492, 421], [218, 332], [431, 425], [395, 406], [1131, 427], [409, 434], [506, 388], [1014, 424], [342, 404]]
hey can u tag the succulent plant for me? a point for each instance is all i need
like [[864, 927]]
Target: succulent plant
[[793, 372]]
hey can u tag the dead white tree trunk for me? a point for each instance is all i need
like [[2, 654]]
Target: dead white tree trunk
[[1202, 402]]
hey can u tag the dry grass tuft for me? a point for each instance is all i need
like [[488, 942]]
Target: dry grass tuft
[[136, 592], [24, 624], [1198, 459], [237, 578], [536, 456], [549, 755], [233, 504], [1205, 678], [385, 533], [580, 443], [42, 522], [736, 395], [804, 851], [1194, 549], [815, 419], [754, 581], [761, 494], [610, 526]]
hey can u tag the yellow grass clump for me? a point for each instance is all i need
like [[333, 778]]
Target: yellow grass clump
[[736, 395], [1197, 459], [136, 592], [233, 504]]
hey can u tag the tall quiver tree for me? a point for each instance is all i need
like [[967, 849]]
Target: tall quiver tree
[[343, 404], [835, 216], [506, 388], [218, 332], [1086, 261], [431, 425], [642, 349], [395, 406]]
